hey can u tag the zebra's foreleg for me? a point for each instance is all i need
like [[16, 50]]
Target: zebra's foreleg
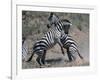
[[61, 46], [62, 50]]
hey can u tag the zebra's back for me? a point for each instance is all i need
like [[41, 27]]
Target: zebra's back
[[44, 43]]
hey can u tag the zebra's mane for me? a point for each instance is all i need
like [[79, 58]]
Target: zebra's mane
[[65, 20]]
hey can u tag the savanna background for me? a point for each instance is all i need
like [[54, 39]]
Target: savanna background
[[34, 27]]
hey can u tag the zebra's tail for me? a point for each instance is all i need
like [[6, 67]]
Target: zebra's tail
[[30, 58], [79, 55]]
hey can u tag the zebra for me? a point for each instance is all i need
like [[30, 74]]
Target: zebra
[[51, 38], [68, 43], [48, 41], [24, 49], [65, 25], [54, 36]]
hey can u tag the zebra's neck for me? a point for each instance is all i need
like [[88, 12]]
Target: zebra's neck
[[59, 26]]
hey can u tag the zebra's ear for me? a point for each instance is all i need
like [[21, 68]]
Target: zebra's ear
[[51, 13], [50, 16]]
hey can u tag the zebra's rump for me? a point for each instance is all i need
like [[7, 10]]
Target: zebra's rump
[[44, 43], [67, 41]]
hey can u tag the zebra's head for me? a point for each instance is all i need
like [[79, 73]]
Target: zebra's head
[[63, 24], [53, 19], [66, 25]]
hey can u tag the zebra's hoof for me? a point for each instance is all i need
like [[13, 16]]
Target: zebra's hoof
[[48, 65], [65, 60], [43, 66]]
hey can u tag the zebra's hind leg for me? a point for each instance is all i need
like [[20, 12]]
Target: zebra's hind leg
[[77, 51], [70, 56], [38, 59], [41, 58], [30, 58]]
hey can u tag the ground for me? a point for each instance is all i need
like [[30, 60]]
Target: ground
[[34, 27]]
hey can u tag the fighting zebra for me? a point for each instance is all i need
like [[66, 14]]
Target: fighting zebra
[[55, 35], [51, 38], [68, 43]]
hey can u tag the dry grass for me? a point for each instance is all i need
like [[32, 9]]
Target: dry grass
[[34, 27]]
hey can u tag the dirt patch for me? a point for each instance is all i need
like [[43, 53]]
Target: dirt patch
[[34, 27], [55, 58]]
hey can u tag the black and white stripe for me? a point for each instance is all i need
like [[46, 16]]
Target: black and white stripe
[[40, 47], [68, 43], [71, 47], [24, 49], [54, 36]]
